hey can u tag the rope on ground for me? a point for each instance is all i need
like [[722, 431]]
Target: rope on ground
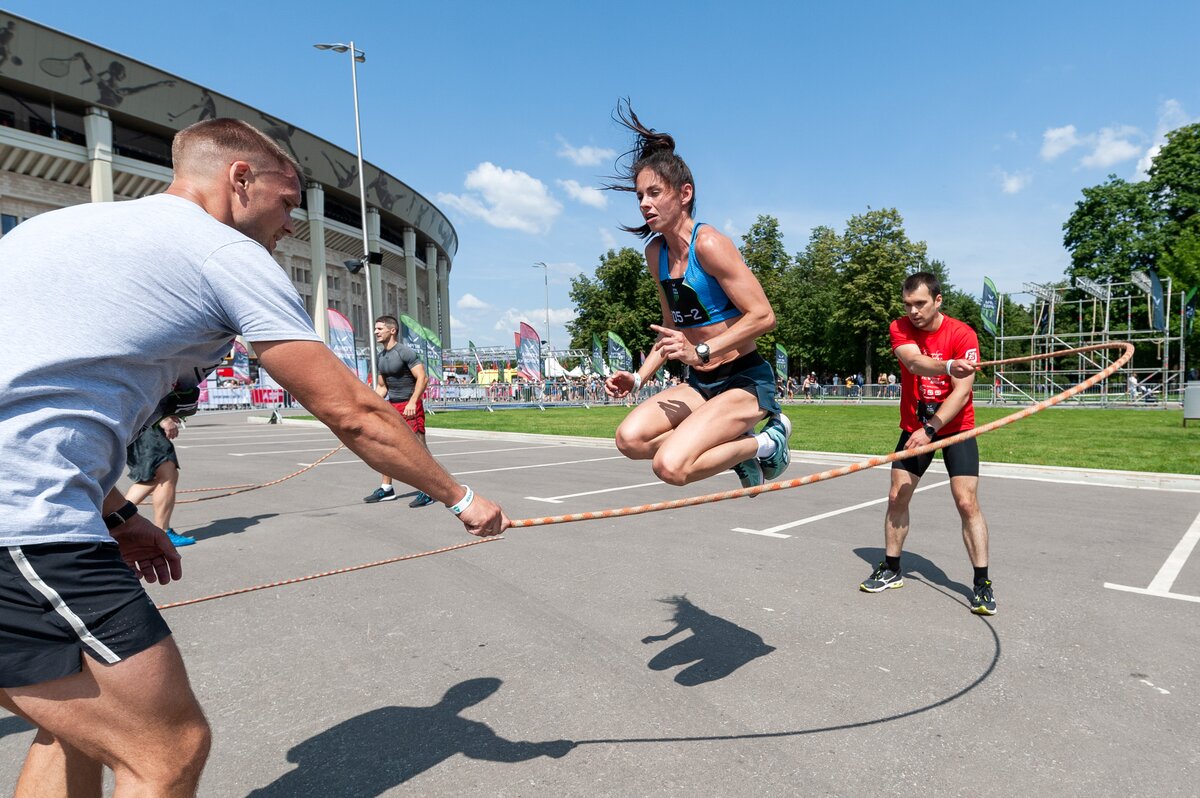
[[233, 490], [347, 570], [731, 494]]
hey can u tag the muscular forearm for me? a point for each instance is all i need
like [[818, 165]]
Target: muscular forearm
[[951, 407], [114, 501], [380, 437], [747, 328]]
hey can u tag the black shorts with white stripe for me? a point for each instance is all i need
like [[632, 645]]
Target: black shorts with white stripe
[[60, 599]]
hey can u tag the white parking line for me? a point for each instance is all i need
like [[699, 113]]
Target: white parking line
[[1162, 582], [536, 465], [773, 532], [440, 456], [558, 499], [245, 443]]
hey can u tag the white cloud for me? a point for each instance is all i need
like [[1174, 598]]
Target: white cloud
[[510, 320], [586, 155], [506, 198], [607, 239], [1113, 145], [1171, 116], [1015, 182], [471, 302], [455, 324], [584, 194], [1057, 140]]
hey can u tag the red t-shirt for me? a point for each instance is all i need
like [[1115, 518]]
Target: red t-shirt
[[953, 340]]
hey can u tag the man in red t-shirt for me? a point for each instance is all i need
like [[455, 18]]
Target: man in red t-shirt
[[937, 356]]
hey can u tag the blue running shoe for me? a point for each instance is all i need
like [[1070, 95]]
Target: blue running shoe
[[178, 540], [749, 472], [779, 429]]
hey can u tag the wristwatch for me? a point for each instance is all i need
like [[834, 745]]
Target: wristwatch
[[930, 431], [703, 352], [120, 515]]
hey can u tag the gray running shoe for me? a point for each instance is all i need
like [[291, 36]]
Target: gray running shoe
[[881, 579], [381, 495]]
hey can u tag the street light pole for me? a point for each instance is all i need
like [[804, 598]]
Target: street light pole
[[356, 57], [546, 270]]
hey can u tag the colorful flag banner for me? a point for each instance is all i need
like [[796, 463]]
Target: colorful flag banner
[[598, 356], [241, 362], [433, 355], [529, 353], [410, 333], [781, 362], [989, 306], [618, 353], [341, 339], [1189, 311], [473, 364]]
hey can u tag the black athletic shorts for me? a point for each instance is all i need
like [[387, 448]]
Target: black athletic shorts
[[148, 451], [962, 458], [748, 372], [60, 599]]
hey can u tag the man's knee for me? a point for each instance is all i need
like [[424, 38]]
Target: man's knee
[[899, 496]]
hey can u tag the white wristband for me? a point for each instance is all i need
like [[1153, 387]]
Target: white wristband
[[463, 503], [637, 381], [948, 364]]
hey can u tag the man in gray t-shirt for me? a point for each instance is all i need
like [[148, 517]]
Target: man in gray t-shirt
[[402, 380], [159, 287]]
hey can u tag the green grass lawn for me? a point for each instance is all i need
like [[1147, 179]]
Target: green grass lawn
[[1133, 440]]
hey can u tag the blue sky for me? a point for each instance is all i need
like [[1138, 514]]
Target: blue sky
[[980, 123]]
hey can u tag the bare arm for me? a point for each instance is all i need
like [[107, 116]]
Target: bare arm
[[721, 259], [925, 366], [368, 426]]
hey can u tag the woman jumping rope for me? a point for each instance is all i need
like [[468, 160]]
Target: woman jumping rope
[[713, 309]]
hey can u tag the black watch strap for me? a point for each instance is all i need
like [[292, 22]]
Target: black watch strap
[[930, 431], [120, 515]]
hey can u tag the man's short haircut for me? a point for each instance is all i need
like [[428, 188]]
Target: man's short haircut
[[206, 144], [927, 279], [388, 321]]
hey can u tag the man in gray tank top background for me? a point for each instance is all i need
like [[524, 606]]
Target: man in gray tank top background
[[162, 285]]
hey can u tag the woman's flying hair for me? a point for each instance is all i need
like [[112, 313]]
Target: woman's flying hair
[[652, 150]]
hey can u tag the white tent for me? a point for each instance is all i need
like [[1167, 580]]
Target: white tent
[[555, 369]]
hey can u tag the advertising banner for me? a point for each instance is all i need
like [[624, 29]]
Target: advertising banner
[[619, 357], [341, 339], [529, 353], [989, 306], [781, 362]]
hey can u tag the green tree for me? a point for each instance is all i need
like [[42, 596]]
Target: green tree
[[621, 297], [877, 254], [1114, 229], [763, 251], [806, 300]]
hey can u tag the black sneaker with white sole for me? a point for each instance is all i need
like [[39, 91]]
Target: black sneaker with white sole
[[881, 579], [381, 495]]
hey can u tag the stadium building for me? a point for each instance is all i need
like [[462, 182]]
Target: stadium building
[[79, 123]]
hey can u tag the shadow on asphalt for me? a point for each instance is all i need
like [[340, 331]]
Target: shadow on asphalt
[[916, 564], [13, 725], [715, 649], [371, 753], [229, 526]]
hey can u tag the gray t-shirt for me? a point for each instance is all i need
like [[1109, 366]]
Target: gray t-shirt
[[103, 308], [395, 366]]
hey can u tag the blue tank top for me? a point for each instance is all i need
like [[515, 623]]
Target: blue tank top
[[696, 299]]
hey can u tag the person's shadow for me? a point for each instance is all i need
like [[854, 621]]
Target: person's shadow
[[13, 725], [229, 526], [917, 565], [715, 649], [369, 754]]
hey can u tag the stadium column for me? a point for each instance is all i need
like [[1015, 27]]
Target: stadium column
[[443, 274], [316, 241], [431, 257], [97, 128], [376, 270], [410, 271]]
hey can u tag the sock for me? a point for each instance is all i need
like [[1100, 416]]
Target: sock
[[766, 446], [981, 574], [385, 488], [892, 563]]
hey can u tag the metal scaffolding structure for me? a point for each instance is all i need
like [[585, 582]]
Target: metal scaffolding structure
[[1101, 312]]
